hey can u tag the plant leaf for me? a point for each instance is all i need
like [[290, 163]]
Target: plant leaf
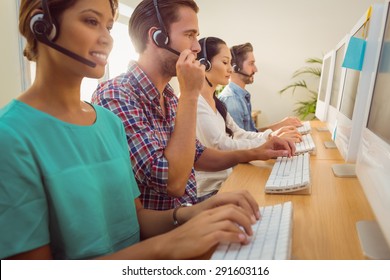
[[308, 70], [301, 84]]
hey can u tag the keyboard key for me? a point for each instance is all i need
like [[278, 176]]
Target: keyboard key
[[272, 237], [289, 174]]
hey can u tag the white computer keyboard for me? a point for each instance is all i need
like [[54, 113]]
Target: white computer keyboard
[[305, 128], [289, 174], [306, 145], [271, 239]]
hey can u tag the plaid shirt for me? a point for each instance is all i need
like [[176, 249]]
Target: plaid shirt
[[134, 98]]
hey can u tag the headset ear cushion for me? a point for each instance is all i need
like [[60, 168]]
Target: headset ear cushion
[[206, 63], [41, 27], [160, 38], [236, 68]]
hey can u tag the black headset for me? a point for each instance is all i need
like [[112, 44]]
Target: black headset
[[204, 60], [160, 36], [235, 66], [43, 26], [46, 32]]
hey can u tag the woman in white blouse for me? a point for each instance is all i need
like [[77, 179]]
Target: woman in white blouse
[[215, 127]]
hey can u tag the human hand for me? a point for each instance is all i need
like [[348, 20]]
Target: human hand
[[288, 121], [294, 121], [223, 224], [190, 74], [241, 198], [288, 132], [275, 147]]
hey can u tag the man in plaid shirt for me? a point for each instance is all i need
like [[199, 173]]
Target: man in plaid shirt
[[160, 128]]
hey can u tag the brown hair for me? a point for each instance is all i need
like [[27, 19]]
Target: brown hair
[[239, 53], [144, 17], [56, 7]]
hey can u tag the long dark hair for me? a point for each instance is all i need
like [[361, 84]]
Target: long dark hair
[[208, 51]]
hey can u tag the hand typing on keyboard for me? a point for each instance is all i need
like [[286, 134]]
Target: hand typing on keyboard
[[275, 147], [289, 132], [307, 145], [271, 238], [223, 218], [305, 128]]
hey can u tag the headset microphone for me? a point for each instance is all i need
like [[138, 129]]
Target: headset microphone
[[43, 39], [244, 74], [236, 68], [45, 31], [172, 50]]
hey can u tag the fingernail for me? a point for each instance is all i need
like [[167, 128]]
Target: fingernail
[[253, 218], [242, 237], [285, 153]]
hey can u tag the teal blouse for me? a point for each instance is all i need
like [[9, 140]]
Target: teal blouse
[[66, 185]]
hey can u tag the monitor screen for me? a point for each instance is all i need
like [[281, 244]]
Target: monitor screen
[[379, 116], [324, 78], [337, 76]]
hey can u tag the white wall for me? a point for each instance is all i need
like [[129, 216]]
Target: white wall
[[10, 76]]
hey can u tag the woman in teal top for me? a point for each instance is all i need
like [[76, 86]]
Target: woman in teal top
[[67, 190]]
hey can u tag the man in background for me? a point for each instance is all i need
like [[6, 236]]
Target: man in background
[[237, 99]]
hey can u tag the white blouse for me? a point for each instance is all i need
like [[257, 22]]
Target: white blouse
[[210, 130]]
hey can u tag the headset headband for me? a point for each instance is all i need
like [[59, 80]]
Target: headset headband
[[159, 18], [46, 11]]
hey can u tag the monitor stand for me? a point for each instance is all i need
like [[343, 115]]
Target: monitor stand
[[344, 170], [371, 239], [330, 145], [322, 129]]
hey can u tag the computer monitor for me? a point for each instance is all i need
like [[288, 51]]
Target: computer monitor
[[337, 82], [325, 85], [355, 90], [373, 162]]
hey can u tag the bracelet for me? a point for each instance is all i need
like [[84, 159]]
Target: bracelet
[[175, 221]]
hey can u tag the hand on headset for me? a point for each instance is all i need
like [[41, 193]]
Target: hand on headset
[[190, 73]]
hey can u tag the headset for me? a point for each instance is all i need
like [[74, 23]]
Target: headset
[[160, 36], [46, 32], [204, 60], [235, 66]]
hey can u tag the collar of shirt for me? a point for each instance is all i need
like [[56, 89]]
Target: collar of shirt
[[240, 91], [140, 79]]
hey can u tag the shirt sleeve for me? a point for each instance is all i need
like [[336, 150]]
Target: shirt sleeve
[[211, 130], [255, 138], [146, 150], [23, 203]]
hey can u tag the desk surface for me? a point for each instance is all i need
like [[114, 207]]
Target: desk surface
[[324, 221], [319, 138]]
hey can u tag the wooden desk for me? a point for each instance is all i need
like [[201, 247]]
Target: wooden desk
[[324, 221], [319, 138]]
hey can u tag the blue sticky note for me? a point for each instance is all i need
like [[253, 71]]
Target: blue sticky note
[[354, 56]]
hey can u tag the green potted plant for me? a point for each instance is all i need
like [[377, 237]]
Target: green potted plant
[[306, 109]]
